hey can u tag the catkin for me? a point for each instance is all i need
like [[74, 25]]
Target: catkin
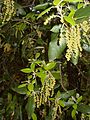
[[46, 91], [9, 10], [73, 38]]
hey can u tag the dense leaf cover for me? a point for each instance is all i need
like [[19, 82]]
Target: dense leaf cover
[[44, 59]]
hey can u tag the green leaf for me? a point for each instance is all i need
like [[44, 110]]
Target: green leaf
[[67, 94], [55, 51], [49, 66], [58, 94], [22, 85], [86, 47], [20, 9], [37, 55], [56, 2], [55, 29], [71, 14], [26, 70], [56, 74], [32, 66], [84, 108], [83, 12], [73, 114], [69, 103], [34, 117], [22, 90], [79, 99], [42, 75], [30, 106], [30, 87], [69, 20], [44, 12], [75, 106], [41, 6], [61, 102], [21, 26]]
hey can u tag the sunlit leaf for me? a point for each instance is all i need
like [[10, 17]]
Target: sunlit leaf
[[73, 114], [44, 12], [79, 99], [26, 70], [56, 2], [30, 87], [22, 85], [34, 117], [49, 66], [69, 20]]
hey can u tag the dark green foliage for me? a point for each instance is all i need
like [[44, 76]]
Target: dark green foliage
[[31, 53]]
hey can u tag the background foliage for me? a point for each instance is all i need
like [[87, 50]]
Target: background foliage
[[44, 60]]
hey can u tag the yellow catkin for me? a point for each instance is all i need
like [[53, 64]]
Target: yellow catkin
[[85, 26], [46, 91], [49, 19], [73, 38], [9, 10]]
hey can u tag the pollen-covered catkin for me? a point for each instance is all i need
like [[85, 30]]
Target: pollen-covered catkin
[[73, 38], [9, 10], [46, 91], [49, 19]]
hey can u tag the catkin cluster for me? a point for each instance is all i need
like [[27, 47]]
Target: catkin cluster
[[85, 27], [73, 38], [9, 10], [46, 91]]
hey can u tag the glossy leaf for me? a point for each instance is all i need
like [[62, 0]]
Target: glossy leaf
[[69, 20], [56, 74], [42, 75], [34, 117], [44, 12], [56, 2], [79, 99], [83, 108], [83, 12], [67, 94], [32, 66], [30, 106], [61, 102], [73, 114], [49, 66], [41, 6], [55, 29], [30, 87], [55, 51], [22, 85], [22, 90], [26, 70], [75, 106]]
